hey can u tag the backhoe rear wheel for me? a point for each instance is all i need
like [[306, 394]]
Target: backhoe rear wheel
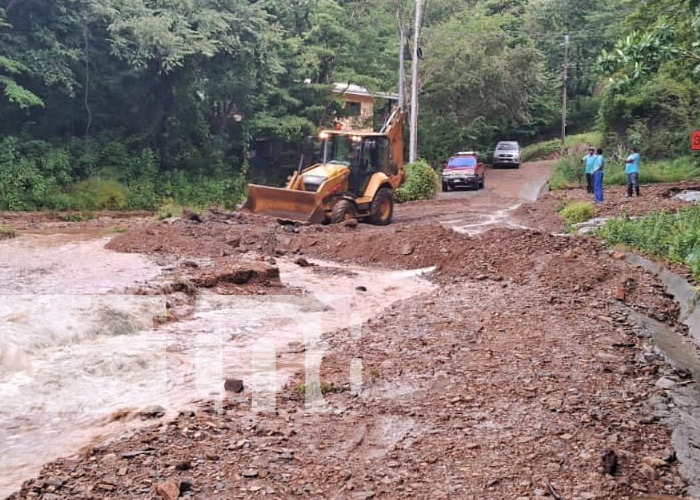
[[343, 210], [382, 208]]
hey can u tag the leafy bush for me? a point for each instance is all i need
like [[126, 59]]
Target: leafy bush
[[169, 208], [576, 212], [421, 182], [7, 232], [102, 173], [675, 236]]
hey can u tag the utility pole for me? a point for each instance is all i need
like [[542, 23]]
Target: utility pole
[[413, 145], [402, 68], [402, 55], [565, 86]]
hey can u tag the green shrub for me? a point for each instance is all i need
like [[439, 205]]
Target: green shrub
[[421, 182], [169, 208], [96, 194], [105, 173], [7, 232], [675, 236], [576, 212]]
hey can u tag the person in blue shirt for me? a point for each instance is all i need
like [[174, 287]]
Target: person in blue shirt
[[598, 165], [588, 162], [632, 172]]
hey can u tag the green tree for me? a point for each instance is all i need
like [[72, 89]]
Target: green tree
[[9, 69]]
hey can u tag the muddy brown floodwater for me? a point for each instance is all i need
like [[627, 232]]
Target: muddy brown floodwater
[[456, 353]]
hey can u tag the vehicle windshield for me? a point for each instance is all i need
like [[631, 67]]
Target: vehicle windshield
[[342, 150], [507, 146], [468, 162]]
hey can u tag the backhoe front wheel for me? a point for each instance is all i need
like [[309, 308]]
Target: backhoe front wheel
[[382, 208], [343, 210]]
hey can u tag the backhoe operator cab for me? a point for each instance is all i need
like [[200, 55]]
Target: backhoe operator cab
[[362, 155], [355, 179]]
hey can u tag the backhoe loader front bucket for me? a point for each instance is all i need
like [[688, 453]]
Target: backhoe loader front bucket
[[288, 204]]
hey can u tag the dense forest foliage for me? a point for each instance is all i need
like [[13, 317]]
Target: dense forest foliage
[[127, 103]]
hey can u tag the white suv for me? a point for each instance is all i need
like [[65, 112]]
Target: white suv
[[507, 154]]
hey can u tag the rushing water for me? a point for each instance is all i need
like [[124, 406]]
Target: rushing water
[[73, 351]]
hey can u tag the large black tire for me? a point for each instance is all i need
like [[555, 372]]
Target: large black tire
[[483, 180], [343, 210], [445, 187], [382, 208]]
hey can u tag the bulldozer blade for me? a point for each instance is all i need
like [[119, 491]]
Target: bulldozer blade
[[285, 203]]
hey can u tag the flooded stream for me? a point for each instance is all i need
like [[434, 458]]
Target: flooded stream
[[73, 350]]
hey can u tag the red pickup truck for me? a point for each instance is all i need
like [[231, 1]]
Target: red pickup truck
[[463, 170]]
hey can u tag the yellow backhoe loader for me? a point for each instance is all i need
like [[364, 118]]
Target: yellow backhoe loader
[[356, 179]]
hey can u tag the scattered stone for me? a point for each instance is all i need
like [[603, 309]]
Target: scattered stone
[[153, 411], [234, 242], [168, 490], [302, 262], [190, 263], [296, 347], [609, 460], [364, 495], [654, 462], [186, 485], [170, 220], [361, 288], [648, 472], [665, 383], [182, 466], [233, 385], [191, 216], [56, 482], [250, 473], [133, 454], [407, 249]]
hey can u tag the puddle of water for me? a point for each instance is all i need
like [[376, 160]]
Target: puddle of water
[[475, 223], [689, 196], [68, 361]]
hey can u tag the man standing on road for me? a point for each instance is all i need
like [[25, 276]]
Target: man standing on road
[[588, 162], [598, 176], [632, 172]]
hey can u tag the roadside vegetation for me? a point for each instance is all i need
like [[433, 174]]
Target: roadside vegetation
[[102, 108], [421, 182], [548, 149], [7, 232], [675, 236], [576, 212]]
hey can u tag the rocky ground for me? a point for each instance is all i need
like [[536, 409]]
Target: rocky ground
[[522, 376]]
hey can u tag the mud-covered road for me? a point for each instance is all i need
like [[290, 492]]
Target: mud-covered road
[[455, 354]]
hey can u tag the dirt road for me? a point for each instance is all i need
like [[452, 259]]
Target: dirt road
[[507, 371]]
